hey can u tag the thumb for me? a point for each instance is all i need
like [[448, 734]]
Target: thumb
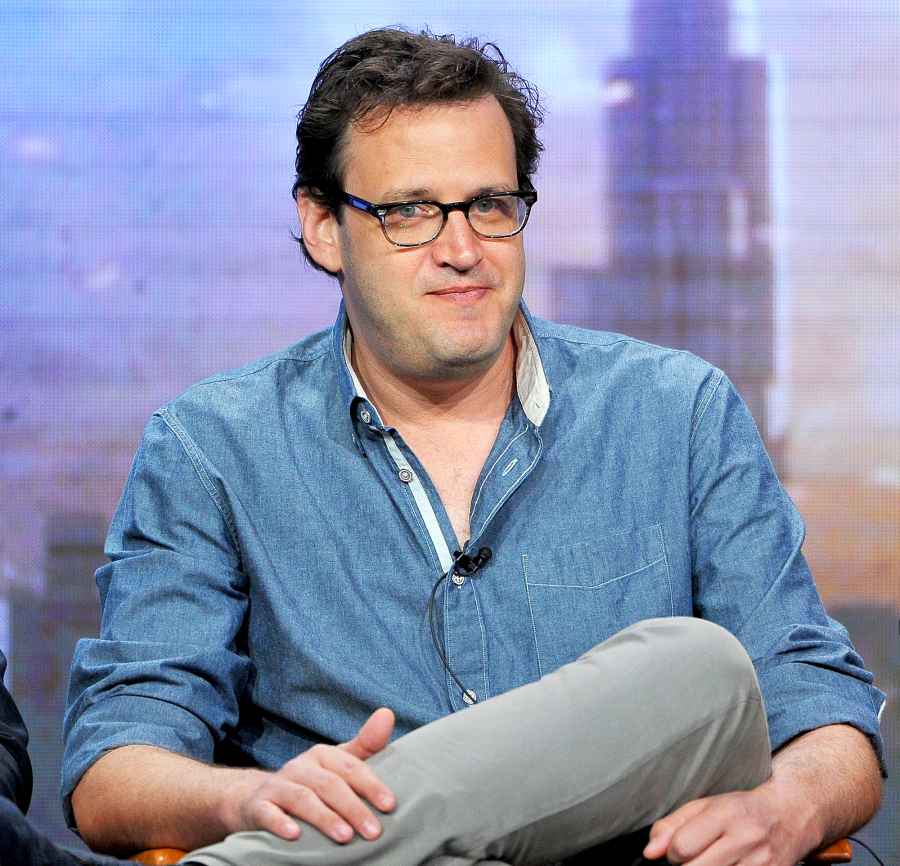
[[373, 736]]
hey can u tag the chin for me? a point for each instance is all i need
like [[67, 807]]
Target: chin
[[468, 360]]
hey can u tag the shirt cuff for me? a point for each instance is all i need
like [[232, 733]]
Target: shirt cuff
[[129, 720], [800, 697]]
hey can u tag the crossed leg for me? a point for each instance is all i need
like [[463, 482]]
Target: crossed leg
[[662, 713]]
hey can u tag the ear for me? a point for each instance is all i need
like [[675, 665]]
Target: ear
[[319, 230]]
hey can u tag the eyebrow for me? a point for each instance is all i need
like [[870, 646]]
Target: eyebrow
[[424, 192]]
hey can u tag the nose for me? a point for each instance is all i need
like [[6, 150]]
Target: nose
[[457, 246]]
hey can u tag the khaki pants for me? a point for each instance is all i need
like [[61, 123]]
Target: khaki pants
[[662, 713]]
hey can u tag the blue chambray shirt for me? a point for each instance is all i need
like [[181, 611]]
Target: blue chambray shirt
[[275, 547]]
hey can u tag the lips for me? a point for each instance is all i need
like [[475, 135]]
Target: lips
[[461, 296], [460, 290]]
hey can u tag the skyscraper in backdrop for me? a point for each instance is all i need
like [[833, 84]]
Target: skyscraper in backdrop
[[689, 199]]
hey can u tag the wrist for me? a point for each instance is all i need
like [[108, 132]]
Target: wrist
[[233, 789], [801, 816]]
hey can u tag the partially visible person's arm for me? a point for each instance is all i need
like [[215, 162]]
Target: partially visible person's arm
[[824, 785], [137, 797], [15, 765]]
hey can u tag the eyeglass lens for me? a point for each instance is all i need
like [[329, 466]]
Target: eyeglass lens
[[492, 216]]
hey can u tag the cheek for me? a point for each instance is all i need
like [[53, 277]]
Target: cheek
[[510, 264], [384, 286]]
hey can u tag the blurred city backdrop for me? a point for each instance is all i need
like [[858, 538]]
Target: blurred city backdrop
[[719, 176]]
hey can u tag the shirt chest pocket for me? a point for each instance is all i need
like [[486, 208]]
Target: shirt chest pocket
[[579, 596]]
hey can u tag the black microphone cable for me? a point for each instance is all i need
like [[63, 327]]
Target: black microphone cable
[[466, 565], [860, 842]]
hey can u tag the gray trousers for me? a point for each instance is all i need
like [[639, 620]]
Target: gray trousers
[[662, 713]]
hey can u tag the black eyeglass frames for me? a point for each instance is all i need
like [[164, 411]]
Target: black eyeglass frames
[[414, 223]]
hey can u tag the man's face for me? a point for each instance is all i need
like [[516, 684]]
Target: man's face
[[442, 310]]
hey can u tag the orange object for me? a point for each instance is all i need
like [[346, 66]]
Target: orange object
[[837, 852], [159, 856]]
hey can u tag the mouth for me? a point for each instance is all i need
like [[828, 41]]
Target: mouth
[[461, 294]]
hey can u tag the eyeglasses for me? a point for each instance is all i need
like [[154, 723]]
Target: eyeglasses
[[414, 223]]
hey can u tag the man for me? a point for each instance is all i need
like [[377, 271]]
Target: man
[[424, 518]]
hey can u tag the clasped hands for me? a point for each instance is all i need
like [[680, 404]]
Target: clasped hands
[[326, 787]]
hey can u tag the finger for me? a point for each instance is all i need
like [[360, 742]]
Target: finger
[[304, 803], [360, 777], [373, 736], [337, 794], [265, 815], [724, 851], [664, 829], [723, 834], [695, 839]]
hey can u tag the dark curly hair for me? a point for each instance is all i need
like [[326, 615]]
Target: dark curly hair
[[390, 67]]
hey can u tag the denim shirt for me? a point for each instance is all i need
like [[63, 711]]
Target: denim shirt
[[275, 547]]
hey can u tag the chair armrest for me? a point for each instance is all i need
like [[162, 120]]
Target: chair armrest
[[159, 856], [837, 852]]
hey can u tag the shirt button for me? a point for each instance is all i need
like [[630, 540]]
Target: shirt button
[[469, 697], [405, 475], [458, 579], [366, 416]]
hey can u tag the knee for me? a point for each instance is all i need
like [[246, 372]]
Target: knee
[[707, 639], [704, 651]]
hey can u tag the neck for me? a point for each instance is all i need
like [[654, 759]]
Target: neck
[[406, 401]]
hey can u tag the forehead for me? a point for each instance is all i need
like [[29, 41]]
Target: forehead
[[439, 148]]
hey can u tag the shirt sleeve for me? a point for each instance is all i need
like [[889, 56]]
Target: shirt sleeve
[[167, 669], [751, 577], [15, 765]]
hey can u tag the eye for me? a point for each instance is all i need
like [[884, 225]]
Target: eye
[[486, 205], [403, 214]]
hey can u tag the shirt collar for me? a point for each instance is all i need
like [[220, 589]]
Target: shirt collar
[[531, 380]]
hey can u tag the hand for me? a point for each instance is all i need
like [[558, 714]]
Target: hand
[[750, 828], [320, 786]]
